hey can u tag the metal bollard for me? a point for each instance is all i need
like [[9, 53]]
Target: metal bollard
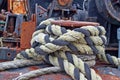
[[118, 37]]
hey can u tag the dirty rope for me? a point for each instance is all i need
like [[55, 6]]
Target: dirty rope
[[60, 46]]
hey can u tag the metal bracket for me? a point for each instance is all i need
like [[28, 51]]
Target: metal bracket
[[7, 53]]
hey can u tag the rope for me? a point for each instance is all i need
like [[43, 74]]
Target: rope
[[38, 72], [49, 45], [29, 54], [67, 64], [17, 64], [60, 46], [68, 67], [52, 38], [109, 59], [88, 59]]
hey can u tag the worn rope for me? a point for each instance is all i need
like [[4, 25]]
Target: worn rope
[[109, 59], [37, 73], [29, 54], [68, 67], [50, 39], [60, 39], [67, 58], [18, 64], [49, 44]]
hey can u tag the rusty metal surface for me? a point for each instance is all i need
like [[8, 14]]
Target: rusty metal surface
[[13, 73], [107, 71], [52, 76], [17, 7], [27, 30], [110, 10], [69, 23]]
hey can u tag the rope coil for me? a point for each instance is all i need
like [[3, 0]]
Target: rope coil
[[60, 46], [53, 38]]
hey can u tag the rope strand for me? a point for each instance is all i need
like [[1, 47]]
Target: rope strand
[[38, 72], [50, 39]]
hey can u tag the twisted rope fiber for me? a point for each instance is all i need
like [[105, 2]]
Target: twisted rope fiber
[[68, 67], [38, 72], [109, 59], [67, 61], [45, 47], [24, 55], [18, 64], [41, 39], [50, 47], [63, 40], [105, 57], [52, 38]]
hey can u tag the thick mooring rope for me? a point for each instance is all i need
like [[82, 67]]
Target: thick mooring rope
[[60, 46], [109, 59], [68, 67], [52, 38], [72, 65]]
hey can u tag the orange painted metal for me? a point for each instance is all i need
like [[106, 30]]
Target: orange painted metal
[[64, 2], [17, 7], [26, 34]]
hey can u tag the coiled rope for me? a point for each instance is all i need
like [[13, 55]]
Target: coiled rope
[[73, 66], [52, 38], [60, 46]]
